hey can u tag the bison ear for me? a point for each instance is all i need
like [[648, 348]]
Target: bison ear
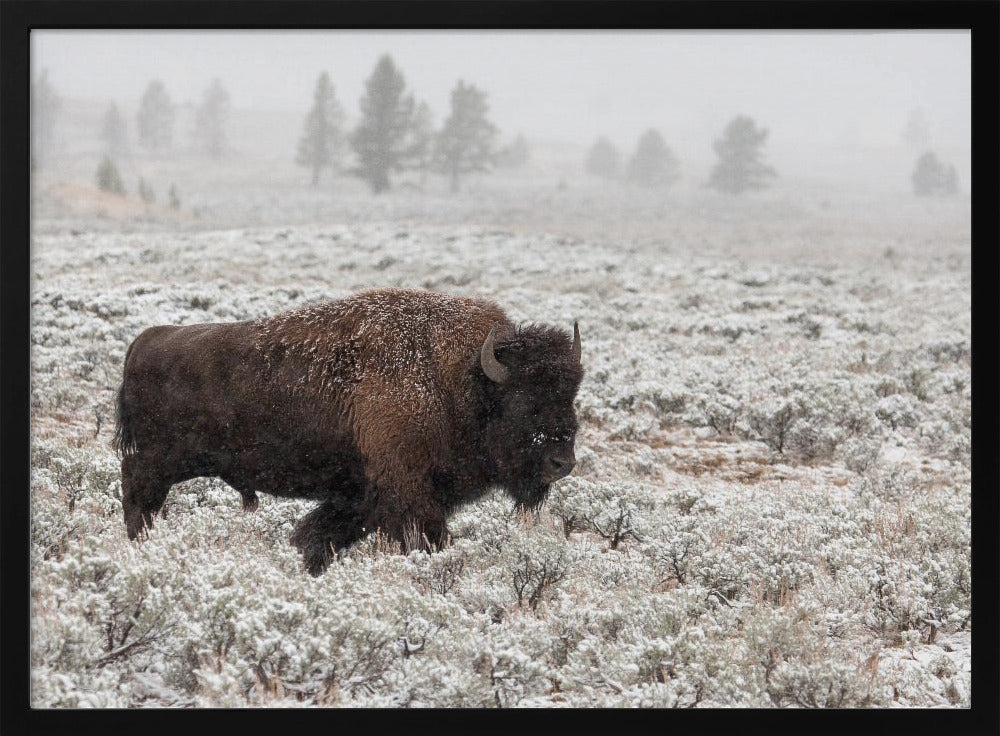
[[493, 368], [576, 341]]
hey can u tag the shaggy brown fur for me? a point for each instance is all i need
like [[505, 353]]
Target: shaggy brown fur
[[376, 405]]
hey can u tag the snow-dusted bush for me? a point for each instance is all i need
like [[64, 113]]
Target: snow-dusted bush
[[790, 660], [859, 455], [680, 549], [615, 512], [534, 564]]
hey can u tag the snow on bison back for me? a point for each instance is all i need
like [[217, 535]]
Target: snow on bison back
[[391, 407]]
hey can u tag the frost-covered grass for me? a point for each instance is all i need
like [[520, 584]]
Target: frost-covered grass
[[771, 505]]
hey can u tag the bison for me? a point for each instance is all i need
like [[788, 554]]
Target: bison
[[391, 408]]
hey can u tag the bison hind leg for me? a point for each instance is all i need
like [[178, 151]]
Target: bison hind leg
[[246, 491], [326, 530], [250, 500]]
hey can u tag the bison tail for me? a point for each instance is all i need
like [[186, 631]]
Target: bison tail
[[124, 439]]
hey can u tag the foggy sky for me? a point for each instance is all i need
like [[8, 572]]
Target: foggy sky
[[854, 88]]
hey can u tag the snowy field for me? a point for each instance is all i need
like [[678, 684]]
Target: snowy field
[[771, 506]]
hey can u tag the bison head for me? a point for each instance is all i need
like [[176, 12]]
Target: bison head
[[533, 376]]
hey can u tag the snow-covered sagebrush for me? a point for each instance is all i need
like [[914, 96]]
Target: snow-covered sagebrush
[[771, 505]]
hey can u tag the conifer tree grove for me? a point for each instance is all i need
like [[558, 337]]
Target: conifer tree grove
[[322, 137], [383, 138], [740, 167]]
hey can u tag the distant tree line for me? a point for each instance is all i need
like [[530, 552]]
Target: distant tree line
[[740, 166], [157, 114], [109, 179], [653, 164], [155, 121], [395, 133]]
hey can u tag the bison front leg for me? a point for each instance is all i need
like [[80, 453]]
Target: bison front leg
[[144, 490], [429, 535], [416, 523], [326, 530]]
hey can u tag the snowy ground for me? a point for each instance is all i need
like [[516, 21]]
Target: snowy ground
[[775, 418]]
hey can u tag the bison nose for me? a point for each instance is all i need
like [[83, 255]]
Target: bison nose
[[559, 466]]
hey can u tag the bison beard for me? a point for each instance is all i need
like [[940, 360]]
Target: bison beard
[[391, 408], [529, 496]]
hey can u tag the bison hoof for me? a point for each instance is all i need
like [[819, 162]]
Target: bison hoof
[[250, 503], [316, 560], [316, 556], [137, 525], [316, 567]]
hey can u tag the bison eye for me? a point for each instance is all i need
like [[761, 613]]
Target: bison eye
[[520, 404]]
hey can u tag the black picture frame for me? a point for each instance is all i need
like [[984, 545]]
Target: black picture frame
[[982, 17]]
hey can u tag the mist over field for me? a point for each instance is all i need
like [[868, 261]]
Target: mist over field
[[765, 239]]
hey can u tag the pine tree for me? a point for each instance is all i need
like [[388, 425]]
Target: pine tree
[[175, 200], [155, 120], [113, 131], [383, 139], [653, 164], [45, 104], [465, 143], [932, 177], [603, 160], [322, 138], [108, 178], [739, 167], [210, 120]]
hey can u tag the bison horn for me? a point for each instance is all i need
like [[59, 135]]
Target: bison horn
[[576, 341], [493, 368]]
